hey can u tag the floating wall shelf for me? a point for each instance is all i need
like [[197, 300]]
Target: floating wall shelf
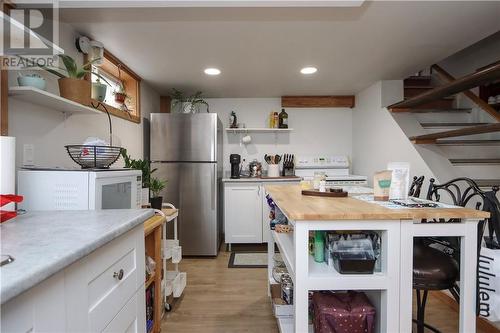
[[49, 100], [262, 130]]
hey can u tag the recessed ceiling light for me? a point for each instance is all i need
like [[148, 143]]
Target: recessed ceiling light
[[308, 70], [212, 71]]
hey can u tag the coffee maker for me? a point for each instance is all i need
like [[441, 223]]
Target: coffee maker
[[235, 160]]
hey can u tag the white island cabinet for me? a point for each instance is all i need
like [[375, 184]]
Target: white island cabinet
[[246, 212], [96, 286]]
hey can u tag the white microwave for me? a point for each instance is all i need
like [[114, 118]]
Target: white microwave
[[63, 189]]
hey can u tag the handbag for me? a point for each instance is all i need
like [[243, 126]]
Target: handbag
[[489, 284]]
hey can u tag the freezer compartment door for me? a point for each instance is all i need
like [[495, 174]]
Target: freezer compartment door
[[184, 137], [192, 187]]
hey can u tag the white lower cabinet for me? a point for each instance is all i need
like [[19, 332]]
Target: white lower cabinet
[[246, 212], [103, 291], [243, 213]]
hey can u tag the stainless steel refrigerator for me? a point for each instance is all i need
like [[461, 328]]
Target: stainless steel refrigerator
[[187, 151]]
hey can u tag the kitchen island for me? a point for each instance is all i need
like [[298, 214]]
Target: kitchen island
[[390, 288], [73, 270]]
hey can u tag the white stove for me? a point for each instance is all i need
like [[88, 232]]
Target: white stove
[[335, 168]]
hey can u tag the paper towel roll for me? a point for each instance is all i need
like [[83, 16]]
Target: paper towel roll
[[8, 167]]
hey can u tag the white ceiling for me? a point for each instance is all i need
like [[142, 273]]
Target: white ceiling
[[261, 50]]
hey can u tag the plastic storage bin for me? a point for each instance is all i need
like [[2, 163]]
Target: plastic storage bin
[[354, 256], [179, 284]]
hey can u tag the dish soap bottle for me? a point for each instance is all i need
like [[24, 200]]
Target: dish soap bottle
[[283, 119]]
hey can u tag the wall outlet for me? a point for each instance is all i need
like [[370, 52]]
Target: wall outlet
[[28, 154]]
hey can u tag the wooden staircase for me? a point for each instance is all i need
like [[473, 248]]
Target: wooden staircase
[[435, 95]]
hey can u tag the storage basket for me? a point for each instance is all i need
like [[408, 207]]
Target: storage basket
[[93, 157]]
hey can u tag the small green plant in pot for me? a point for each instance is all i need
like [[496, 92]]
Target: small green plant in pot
[[189, 104], [156, 186], [145, 167], [72, 83], [121, 95]]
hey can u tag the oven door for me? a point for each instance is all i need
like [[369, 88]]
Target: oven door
[[115, 193]]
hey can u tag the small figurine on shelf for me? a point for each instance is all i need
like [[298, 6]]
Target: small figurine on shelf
[[233, 121]]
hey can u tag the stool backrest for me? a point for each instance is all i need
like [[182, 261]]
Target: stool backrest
[[416, 186]]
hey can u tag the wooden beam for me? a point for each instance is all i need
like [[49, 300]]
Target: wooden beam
[[4, 102], [470, 130], [317, 101], [469, 94], [165, 102], [488, 74], [6, 6]]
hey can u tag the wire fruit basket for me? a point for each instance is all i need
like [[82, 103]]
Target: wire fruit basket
[[95, 157]]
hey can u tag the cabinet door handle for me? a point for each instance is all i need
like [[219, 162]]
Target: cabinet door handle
[[118, 275]]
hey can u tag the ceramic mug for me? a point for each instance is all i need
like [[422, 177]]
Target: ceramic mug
[[246, 139]]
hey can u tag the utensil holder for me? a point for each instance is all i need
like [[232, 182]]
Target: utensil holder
[[273, 170]]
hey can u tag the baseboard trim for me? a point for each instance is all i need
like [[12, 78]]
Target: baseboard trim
[[481, 323]]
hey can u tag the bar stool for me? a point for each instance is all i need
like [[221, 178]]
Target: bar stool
[[440, 273], [461, 191]]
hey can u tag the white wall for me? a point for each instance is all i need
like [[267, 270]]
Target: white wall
[[49, 131], [315, 130], [378, 139]]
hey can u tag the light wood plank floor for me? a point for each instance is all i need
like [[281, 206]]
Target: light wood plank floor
[[218, 299]]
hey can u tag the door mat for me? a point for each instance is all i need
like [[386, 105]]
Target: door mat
[[248, 260]]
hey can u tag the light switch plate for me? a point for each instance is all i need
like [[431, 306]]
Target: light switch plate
[[28, 154]]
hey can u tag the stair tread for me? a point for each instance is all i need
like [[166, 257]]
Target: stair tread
[[419, 77], [475, 160], [468, 142], [487, 182], [463, 131], [410, 86], [451, 124], [456, 110]]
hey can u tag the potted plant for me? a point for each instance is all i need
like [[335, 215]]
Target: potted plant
[[31, 80], [156, 186], [72, 83], [190, 104], [99, 90], [145, 167], [120, 94]]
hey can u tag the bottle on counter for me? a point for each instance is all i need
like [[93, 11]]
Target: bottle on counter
[[319, 246], [271, 120], [275, 120], [283, 119]]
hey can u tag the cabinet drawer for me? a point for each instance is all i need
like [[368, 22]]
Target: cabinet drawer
[[131, 317], [95, 280], [107, 292]]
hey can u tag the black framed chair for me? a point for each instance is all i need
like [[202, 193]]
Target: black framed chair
[[416, 186], [442, 272]]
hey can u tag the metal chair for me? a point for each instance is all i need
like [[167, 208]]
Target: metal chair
[[442, 272]]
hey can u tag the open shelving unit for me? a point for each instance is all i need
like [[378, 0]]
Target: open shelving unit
[[309, 275], [258, 130], [49, 100]]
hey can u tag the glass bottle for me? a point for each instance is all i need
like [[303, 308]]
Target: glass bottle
[[283, 119]]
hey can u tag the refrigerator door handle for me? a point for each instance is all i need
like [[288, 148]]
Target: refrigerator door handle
[[214, 186]]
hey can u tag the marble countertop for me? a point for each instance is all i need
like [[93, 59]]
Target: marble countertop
[[43, 243]]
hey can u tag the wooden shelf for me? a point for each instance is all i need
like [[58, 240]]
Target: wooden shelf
[[480, 77], [49, 100], [285, 245], [262, 130], [471, 130]]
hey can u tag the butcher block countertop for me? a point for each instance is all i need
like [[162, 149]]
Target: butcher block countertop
[[300, 207]]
